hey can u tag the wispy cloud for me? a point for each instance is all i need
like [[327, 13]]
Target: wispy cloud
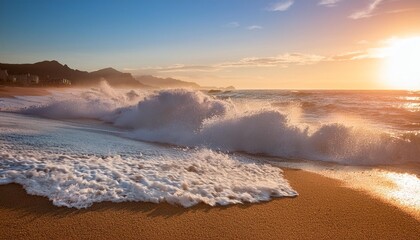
[[182, 68], [382, 51], [129, 69], [368, 11], [254, 27], [401, 10], [362, 42], [232, 25], [289, 59], [281, 60], [281, 6], [349, 56], [329, 3]]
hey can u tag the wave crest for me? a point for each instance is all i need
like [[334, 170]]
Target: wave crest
[[170, 109], [191, 118]]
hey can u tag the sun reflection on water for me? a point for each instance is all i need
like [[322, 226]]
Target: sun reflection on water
[[399, 189], [406, 189]]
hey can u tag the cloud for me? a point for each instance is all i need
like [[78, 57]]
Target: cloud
[[281, 60], [401, 10], [129, 69], [367, 12], [370, 53], [281, 6], [232, 25], [349, 56], [181, 68], [254, 27], [288, 59], [383, 50], [329, 3], [362, 42]]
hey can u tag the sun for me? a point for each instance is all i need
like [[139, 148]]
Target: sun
[[402, 64]]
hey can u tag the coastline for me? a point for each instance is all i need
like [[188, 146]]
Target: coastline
[[11, 92], [324, 209]]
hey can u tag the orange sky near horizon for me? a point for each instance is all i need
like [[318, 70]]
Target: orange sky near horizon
[[354, 61], [248, 44]]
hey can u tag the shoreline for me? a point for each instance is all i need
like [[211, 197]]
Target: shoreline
[[324, 209], [11, 92]]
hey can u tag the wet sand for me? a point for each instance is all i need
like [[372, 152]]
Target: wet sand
[[323, 210], [9, 92]]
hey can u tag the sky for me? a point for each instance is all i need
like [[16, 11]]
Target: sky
[[283, 44]]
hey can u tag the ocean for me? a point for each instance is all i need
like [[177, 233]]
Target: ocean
[[82, 146]]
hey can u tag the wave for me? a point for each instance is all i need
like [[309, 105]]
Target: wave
[[270, 133], [202, 176], [177, 109], [191, 118]]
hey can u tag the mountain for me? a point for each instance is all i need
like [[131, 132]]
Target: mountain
[[53, 69], [165, 82], [115, 78], [45, 69]]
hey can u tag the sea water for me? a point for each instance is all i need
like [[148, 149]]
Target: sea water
[[81, 146]]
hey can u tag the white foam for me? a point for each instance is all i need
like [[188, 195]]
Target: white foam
[[176, 109], [270, 132], [187, 118], [201, 176], [191, 118]]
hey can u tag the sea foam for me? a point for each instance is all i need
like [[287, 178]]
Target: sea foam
[[192, 118], [199, 176]]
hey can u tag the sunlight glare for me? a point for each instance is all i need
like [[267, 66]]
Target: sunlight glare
[[402, 64]]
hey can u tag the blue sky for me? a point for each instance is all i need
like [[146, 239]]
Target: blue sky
[[146, 36], [138, 27]]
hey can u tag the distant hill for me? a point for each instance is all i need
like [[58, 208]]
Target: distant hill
[[51, 69], [165, 82], [54, 69], [115, 77]]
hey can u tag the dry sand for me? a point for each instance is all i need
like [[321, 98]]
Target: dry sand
[[323, 210], [9, 92]]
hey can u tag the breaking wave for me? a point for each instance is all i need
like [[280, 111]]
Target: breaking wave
[[192, 118], [77, 180]]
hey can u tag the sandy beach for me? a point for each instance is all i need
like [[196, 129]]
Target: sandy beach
[[280, 119], [9, 92], [323, 210]]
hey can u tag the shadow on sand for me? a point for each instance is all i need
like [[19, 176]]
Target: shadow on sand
[[15, 198]]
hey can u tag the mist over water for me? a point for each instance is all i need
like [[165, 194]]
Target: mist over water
[[94, 145], [356, 128]]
